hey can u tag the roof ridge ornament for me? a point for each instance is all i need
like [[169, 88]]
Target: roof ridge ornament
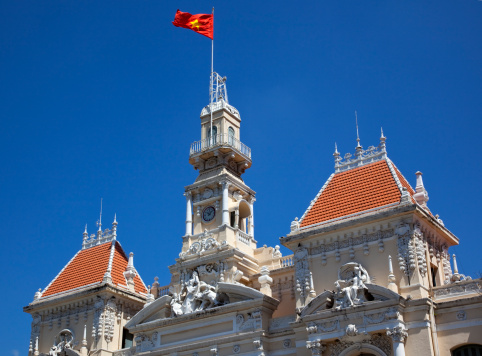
[[421, 194], [362, 157], [102, 236]]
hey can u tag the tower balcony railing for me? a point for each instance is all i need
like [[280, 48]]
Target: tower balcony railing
[[218, 141]]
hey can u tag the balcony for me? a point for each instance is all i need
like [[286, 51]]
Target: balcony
[[220, 141]]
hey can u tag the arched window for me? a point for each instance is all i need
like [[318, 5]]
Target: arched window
[[468, 350], [230, 135], [215, 134]]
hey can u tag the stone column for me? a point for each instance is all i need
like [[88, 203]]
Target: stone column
[[225, 186], [188, 196], [398, 335], [251, 218], [236, 218]]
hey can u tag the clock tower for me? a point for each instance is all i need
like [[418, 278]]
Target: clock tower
[[219, 205]]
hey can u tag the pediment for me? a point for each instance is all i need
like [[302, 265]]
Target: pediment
[[232, 292], [325, 300], [158, 309]]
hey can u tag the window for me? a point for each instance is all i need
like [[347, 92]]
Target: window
[[230, 135], [127, 339], [468, 350], [215, 134], [433, 269], [233, 218]]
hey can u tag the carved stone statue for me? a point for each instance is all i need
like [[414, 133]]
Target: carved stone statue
[[350, 287], [196, 295], [63, 341]]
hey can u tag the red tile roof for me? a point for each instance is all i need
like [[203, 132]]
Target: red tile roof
[[360, 189], [89, 266]]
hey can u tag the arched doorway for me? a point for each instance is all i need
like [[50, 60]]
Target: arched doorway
[[363, 350]]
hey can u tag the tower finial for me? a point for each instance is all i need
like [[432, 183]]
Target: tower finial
[[357, 135], [85, 236], [114, 227], [99, 223], [337, 156], [382, 136]]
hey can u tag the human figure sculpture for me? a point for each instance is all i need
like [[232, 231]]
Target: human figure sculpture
[[192, 291], [350, 291], [176, 306]]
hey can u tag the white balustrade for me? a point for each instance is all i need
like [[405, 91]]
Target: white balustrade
[[220, 140], [286, 261]]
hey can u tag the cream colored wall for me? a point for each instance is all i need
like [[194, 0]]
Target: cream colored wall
[[455, 329], [48, 335], [451, 339], [222, 119]]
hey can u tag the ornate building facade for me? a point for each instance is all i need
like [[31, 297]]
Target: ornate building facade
[[370, 272]]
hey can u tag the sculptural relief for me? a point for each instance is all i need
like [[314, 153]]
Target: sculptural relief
[[350, 287], [63, 341], [197, 295]]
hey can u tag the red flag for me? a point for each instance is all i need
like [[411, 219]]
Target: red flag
[[200, 23]]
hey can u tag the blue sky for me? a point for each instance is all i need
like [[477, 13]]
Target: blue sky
[[102, 99]]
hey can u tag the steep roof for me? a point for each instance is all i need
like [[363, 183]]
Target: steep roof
[[369, 187], [88, 267]]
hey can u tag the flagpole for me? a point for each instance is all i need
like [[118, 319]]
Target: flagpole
[[212, 83]]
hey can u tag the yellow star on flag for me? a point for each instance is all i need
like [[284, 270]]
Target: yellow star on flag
[[195, 23]]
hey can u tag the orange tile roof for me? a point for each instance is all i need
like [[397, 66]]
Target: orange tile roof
[[89, 266], [360, 189]]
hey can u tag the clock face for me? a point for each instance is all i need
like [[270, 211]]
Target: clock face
[[209, 213]]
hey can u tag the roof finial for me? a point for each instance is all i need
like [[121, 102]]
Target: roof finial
[[391, 277], [99, 223], [357, 135], [130, 272], [337, 156], [421, 195], [84, 342], [36, 352], [114, 227]]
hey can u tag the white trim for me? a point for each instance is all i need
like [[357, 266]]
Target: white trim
[[394, 174], [317, 196], [57, 276], [137, 274], [66, 292], [111, 258]]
